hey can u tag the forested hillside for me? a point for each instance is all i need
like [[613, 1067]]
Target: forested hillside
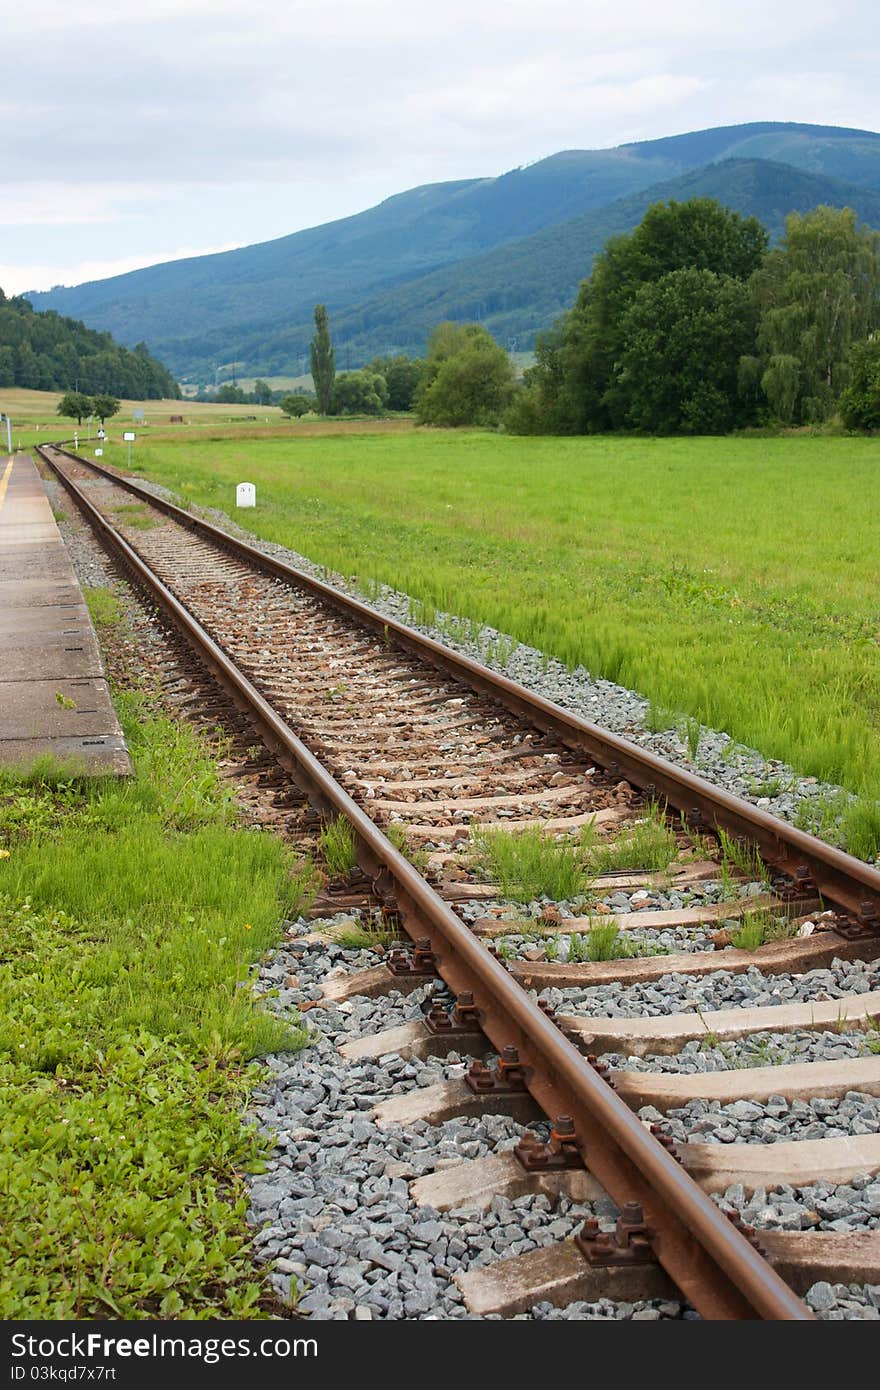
[[46, 352], [521, 288], [509, 250]]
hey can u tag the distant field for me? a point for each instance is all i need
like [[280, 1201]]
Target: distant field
[[737, 580], [35, 419], [34, 416]]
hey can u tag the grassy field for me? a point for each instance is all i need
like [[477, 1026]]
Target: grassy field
[[130, 913], [735, 580], [34, 417], [35, 420]]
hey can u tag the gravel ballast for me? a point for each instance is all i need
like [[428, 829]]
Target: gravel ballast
[[676, 993], [333, 1208], [774, 1121]]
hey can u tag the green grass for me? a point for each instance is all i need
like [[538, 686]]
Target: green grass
[[104, 607], [742, 856], [606, 941], [130, 914], [338, 847], [361, 936], [137, 516], [396, 833], [649, 846], [758, 927], [529, 864]]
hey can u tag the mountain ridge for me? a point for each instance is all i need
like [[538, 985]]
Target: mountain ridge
[[387, 266]]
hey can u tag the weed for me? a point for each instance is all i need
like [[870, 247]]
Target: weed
[[551, 948], [529, 864], [103, 606], [760, 926], [689, 731], [659, 718], [763, 1053], [729, 884], [821, 815], [396, 833], [64, 700], [337, 845], [860, 828], [605, 942], [358, 936], [500, 651], [137, 516], [767, 786], [649, 845], [743, 857]]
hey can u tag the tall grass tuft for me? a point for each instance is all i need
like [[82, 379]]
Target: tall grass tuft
[[860, 828], [338, 847], [530, 864], [650, 845]]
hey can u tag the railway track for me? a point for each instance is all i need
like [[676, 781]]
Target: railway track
[[388, 729]]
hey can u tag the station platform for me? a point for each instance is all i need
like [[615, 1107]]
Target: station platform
[[54, 695]]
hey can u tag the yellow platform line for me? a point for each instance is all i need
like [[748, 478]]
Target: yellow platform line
[[4, 482]]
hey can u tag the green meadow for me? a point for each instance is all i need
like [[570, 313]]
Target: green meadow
[[732, 580]]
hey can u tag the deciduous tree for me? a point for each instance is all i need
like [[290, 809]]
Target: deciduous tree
[[576, 386], [467, 379], [297, 405], [678, 370], [860, 402], [818, 295], [104, 407], [75, 405], [364, 392]]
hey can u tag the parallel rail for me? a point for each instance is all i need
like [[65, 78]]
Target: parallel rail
[[712, 1262], [847, 883]]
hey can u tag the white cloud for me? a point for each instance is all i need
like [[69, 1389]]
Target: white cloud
[[146, 125], [16, 279]]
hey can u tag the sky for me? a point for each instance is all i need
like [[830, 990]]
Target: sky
[[135, 135]]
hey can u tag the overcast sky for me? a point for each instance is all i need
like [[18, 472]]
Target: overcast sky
[[130, 136]]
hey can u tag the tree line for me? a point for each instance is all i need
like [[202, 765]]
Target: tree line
[[46, 352], [466, 378], [690, 324]]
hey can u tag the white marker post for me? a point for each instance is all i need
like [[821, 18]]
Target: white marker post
[[128, 437], [99, 453], [245, 495]]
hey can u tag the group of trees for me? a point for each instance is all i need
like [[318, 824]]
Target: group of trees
[[76, 405], [465, 379], [383, 385], [46, 352], [692, 325]]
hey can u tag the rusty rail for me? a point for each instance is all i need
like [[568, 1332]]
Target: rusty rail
[[708, 1258]]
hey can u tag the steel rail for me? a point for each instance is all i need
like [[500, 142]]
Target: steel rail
[[841, 879], [713, 1263]]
